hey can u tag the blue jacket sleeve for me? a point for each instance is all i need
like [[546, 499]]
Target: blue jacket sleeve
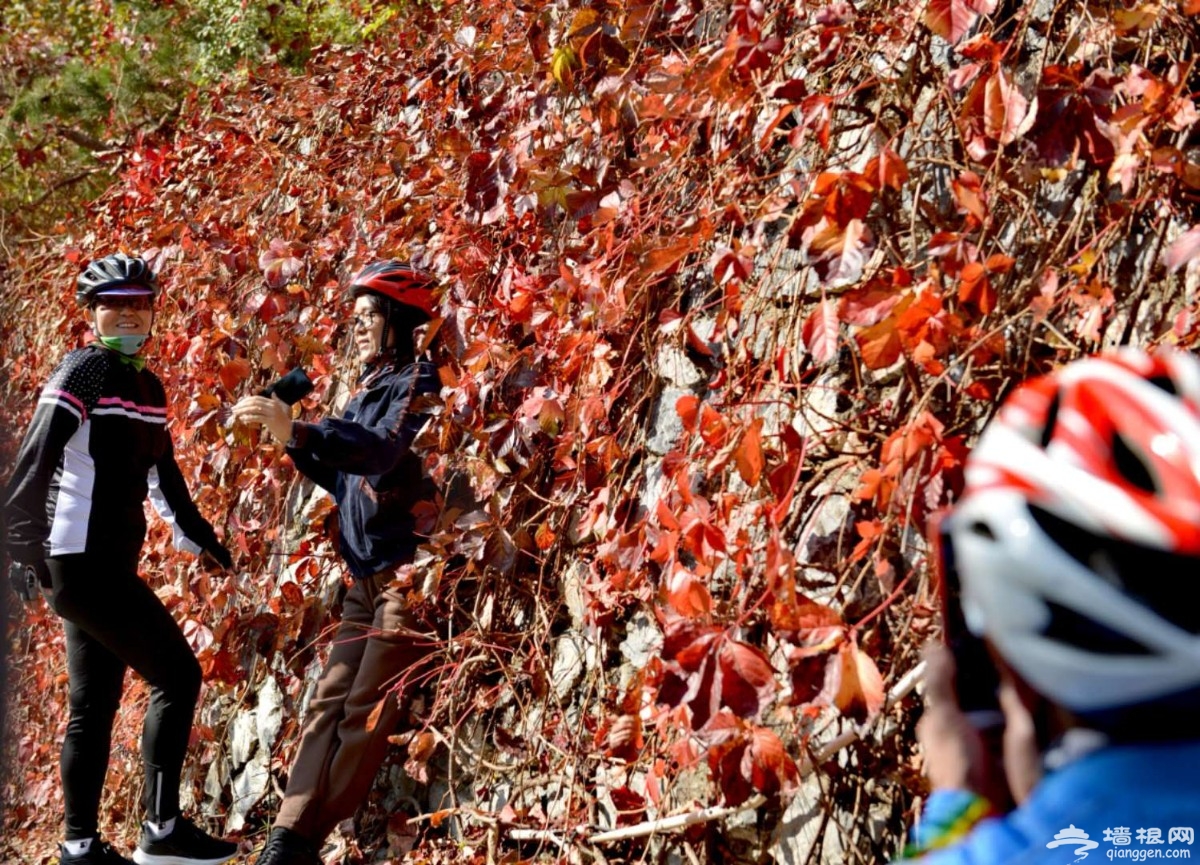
[[949, 816], [336, 445], [69, 395]]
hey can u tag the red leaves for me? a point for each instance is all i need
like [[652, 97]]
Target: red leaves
[[820, 332], [747, 679], [917, 464], [976, 288], [233, 373], [952, 19], [1007, 114], [706, 670], [831, 230], [746, 758], [687, 594], [968, 192]]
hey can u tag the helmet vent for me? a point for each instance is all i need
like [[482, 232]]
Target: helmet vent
[[1068, 626], [982, 529], [1149, 576], [1051, 419], [1131, 466], [1165, 383]]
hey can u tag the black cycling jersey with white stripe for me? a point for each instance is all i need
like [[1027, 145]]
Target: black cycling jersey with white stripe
[[97, 446]]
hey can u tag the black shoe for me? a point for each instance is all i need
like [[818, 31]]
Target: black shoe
[[186, 845], [98, 854], [285, 847]]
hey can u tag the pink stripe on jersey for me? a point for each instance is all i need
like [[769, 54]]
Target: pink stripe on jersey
[[145, 409], [68, 397]]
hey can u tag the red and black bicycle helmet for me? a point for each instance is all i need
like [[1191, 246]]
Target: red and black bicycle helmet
[[397, 281], [116, 274]]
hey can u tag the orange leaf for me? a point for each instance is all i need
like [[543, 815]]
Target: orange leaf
[[976, 289], [887, 169], [968, 191], [665, 257], [749, 456], [544, 537], [688, 409], [373, 718], [999, 263], [950, 19], [880, 344], [234, 373], [765, 762], [688, 595], [713, 428], [859, 687], [1007, 114]]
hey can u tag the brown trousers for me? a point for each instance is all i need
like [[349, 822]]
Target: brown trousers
[[339, 756]]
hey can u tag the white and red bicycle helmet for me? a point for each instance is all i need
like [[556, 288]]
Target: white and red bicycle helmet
[[1078, 532]]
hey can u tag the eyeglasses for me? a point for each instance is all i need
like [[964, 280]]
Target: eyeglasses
[[365, 320], [136, 302]]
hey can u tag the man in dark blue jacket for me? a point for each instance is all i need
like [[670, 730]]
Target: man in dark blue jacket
[[365, 459]]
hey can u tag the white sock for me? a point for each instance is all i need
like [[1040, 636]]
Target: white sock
[[77, 847], [158, 831]]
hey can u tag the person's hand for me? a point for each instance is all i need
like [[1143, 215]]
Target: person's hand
[[958, 755], [1022, 756], [271, 412], [952, 747]]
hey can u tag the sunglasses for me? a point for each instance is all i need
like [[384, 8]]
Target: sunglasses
[[137, 302], [365, 320]]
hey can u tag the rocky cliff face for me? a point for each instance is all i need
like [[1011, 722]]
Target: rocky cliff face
[[728, 291]]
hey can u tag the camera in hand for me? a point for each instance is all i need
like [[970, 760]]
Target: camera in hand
[[976, 680], [291, 388]]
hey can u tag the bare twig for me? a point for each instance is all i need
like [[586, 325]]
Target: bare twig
[[678, 821]]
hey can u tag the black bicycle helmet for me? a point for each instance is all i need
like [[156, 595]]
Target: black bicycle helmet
[[115, 274]]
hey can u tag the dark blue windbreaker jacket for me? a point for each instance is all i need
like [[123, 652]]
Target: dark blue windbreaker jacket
[[365, 459]]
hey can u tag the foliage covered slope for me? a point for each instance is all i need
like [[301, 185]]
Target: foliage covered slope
[[728, 289]]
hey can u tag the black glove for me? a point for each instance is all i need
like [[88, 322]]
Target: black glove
[[27, 579], [220, 555]]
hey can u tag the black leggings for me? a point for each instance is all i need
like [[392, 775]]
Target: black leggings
[[114, 621]]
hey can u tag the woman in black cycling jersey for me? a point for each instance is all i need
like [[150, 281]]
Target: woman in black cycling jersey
[[98, 445]]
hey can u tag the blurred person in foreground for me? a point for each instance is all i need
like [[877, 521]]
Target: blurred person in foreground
[[97, 447], [365, 460], [1076, 543]]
